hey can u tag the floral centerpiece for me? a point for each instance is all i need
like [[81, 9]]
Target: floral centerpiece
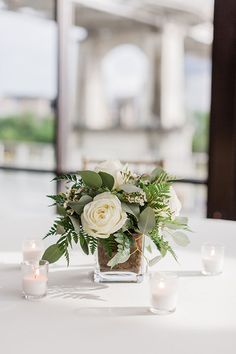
[[110, 211]]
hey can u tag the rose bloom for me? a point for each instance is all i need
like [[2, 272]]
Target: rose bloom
[[174, 203], [114, 168], [103, 216]]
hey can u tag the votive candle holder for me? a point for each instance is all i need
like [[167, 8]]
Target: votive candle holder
[[163, 292], [212, 259], [34, 279], [32, 250]]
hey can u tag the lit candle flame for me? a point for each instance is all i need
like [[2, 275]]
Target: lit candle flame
[[162, 284], [36, 273]]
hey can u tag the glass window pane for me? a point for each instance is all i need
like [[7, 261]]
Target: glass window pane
[[27, 86], [139, 85]]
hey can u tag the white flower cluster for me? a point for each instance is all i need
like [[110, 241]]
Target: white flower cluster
[[104, 215], [136, 197]]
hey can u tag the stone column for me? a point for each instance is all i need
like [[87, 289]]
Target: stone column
[[172, 76], [93, 106]]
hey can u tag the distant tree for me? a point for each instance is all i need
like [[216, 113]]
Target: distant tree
[[200, 138], [27, 127]]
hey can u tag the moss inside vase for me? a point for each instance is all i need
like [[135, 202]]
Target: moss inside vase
[[133, 264]]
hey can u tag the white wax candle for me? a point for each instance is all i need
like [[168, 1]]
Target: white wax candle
[[164, 296], [32, 254], [32, 250], [212, 264], [35, 285], [164, 300], [213, 261]]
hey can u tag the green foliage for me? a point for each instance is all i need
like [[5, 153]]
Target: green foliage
[[53, 253], [177, 223], [157, 194], [123, 250], [162, 245], [132, 209], [91, 179], [79, 205], [156, 173], [180, 238], [107, 180], [67, 177], [27, 127], [72, 232], [75, 223], [145, 199], [53, 230], [59, 199], [200, 138], [92, 243], [109, 245], [146, 221], [84, 243]]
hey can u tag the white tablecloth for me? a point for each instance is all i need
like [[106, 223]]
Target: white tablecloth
[[79, 316]]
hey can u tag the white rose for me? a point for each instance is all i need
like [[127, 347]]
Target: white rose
[[103, 216], [174, 203], [114, 168]]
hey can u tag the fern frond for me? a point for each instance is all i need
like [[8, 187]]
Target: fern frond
[[59, 199], [92, 243], [162, 245], [52, 231], [67, 177], [109, 245]]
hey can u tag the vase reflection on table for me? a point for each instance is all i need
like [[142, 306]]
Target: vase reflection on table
[[107, 211]]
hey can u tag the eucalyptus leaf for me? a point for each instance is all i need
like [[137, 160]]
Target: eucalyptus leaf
[[154, 260], [146, 220], [60, 229], [61, 210], [132, 209], [181, 220], [180, 238], [156, 173], [120, 257], [53, 253], [79, 205], [149, 248], [91, 179], [130, 188], [173, 226], [107, 180], [75, 223]]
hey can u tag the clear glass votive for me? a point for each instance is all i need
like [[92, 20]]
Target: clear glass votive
[[34, 279], [212, 259], [163, 292], [32, 250]]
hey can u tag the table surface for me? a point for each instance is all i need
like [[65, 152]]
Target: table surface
[[81, 316]]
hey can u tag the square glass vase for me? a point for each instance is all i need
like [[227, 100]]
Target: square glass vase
[[131, 271]]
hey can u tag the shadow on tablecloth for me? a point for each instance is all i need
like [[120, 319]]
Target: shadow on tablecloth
[[74, 284]]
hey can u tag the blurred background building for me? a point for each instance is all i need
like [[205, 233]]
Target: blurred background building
[[100, 79]]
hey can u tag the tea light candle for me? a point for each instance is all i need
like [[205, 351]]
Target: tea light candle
[[35, 278], [212, 259], [164, 291], [32, 250]]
